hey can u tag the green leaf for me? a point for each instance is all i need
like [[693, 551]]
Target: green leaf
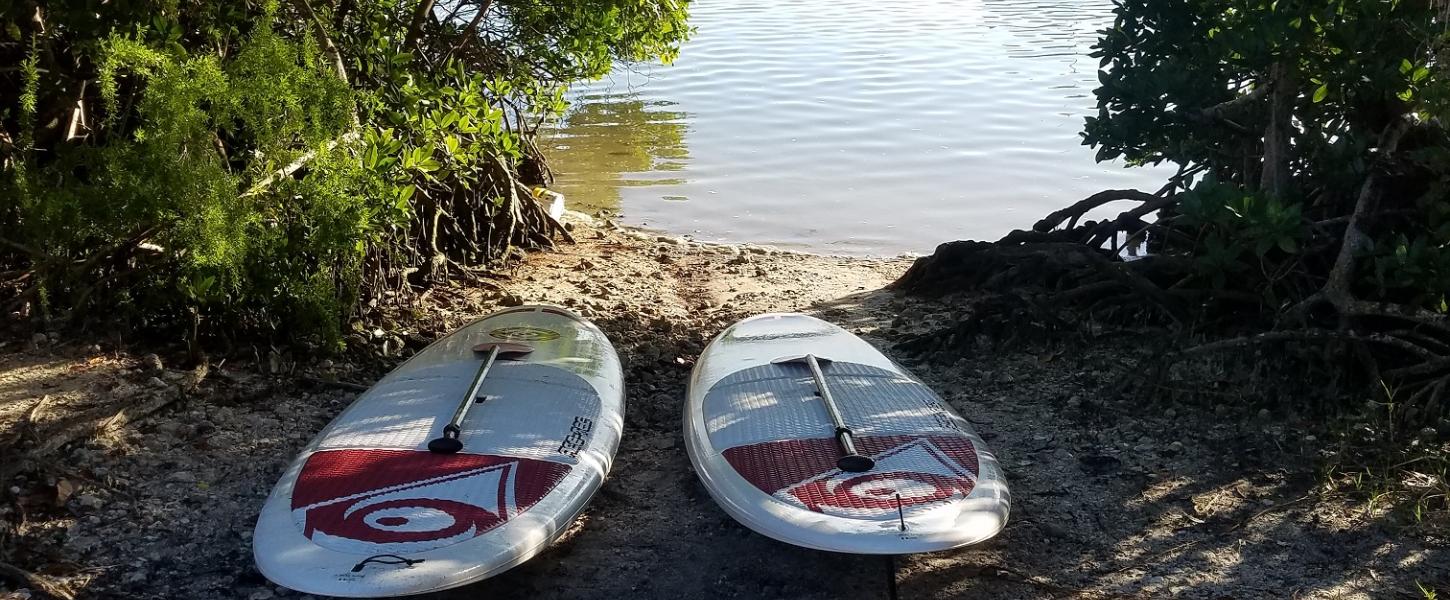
[[1262, 246], [1420, 74], [1321, 93], [1405, 66]]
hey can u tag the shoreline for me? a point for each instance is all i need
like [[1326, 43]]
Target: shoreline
[[649, 234], [1110, 500]]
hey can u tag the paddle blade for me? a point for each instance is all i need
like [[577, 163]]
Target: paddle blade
[[445, 445], [855, 463], [801, 359]]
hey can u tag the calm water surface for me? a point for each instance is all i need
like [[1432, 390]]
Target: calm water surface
[[848, 126]]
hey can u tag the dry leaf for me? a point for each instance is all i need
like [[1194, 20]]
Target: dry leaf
[[64, 489]]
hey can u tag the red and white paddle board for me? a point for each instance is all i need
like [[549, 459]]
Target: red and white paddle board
[[367, 510], [764, 443]]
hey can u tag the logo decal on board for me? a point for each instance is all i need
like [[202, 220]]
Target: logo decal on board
[[921, 470], [525, 333], [373, 501]]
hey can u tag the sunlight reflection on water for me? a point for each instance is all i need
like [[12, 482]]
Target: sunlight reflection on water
[[848, 127]]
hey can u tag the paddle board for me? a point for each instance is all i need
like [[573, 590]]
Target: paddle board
[[763, 440], [366, 510]]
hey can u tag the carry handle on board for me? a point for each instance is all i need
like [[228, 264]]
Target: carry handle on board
[[449, 443], [850, 460]]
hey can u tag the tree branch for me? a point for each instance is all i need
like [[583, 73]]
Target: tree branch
[[1081, 207], [328, 48], [1310, 335], [1222, 110], [296, 165], [1336, 289], [471, 30], [44, 584], [415, 28]]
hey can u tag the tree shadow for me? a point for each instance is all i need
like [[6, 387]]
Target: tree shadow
[[1105, 503], [1132, 497]]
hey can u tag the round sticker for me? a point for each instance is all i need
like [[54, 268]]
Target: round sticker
[[524, 333]]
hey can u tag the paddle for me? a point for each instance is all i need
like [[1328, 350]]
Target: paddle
[[449, 443], [850, 460]]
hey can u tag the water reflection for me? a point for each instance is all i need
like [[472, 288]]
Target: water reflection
[[849, 126], [613, 141]]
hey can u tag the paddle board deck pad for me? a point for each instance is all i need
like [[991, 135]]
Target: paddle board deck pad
[[367, 510], [763, 442]]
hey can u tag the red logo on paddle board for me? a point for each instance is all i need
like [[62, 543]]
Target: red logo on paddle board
[[919, 470], [370, 501]]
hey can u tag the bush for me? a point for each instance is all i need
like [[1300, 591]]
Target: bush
[[242, 169]]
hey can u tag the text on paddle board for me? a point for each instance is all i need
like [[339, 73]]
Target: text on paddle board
[[577, 437]]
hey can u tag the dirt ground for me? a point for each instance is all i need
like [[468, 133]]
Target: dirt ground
[[1112, 498]]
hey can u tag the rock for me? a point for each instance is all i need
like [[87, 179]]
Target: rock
[[39, 340], [1052, 530], [1099, 464], [89, 501], [182, 477], [262, 594], [156, 382], [325, 364], [151, 363]]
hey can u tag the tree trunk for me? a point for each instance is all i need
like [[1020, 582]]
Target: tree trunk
[[1274, 179]]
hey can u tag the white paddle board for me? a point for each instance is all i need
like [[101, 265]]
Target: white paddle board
[[367, 510], [763, 441]]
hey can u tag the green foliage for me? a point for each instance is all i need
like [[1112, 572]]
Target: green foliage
[[266, 167], [1199, 83], [1355, 66], [1243, 235], [171, 182]]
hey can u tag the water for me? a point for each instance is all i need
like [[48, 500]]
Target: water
[[848, 126]]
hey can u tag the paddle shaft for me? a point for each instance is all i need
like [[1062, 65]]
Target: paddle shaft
[[843, 433], [455, 425]]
